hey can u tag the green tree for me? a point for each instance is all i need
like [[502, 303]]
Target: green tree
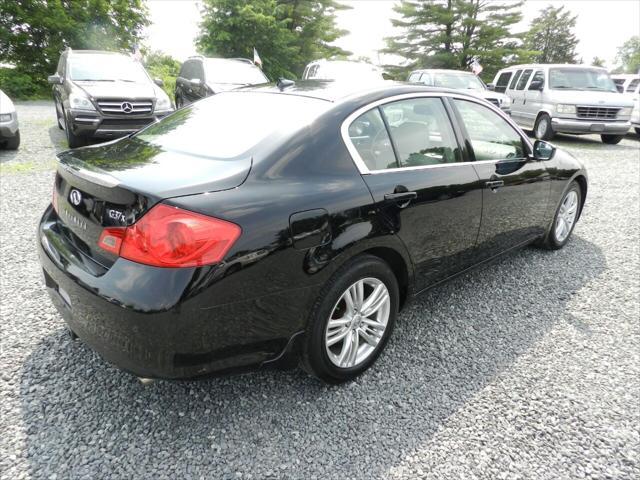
[[286, 33], [164, 67], [452, 33], [33, 34], [551, 36], [597, 62], [628, 57]]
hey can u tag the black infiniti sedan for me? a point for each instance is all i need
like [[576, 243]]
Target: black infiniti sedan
[[285, 225]]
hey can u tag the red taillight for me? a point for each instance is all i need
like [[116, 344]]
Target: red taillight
[[171, 237]]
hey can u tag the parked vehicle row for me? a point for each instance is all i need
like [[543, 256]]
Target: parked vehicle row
[[157, 248], [460, 80], [575, 99], [9, 127]]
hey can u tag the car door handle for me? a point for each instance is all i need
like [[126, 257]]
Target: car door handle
[[400, 197], [494, 184]]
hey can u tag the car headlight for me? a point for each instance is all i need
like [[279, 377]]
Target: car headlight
[[80, 102], [625, 111], [5, 117], [163, 103], [561, 108]]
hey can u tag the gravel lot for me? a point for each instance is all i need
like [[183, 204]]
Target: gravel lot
[[526, 369]]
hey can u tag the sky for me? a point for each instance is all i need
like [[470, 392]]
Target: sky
[[602, 25]]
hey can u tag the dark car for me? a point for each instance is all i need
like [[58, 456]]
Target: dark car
[[201, 77], [272, 226], [104, 95]]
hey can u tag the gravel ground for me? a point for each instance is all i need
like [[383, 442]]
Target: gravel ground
[[526, 369]]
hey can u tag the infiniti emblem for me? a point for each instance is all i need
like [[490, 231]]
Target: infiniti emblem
[[126, 107], [75, 196]]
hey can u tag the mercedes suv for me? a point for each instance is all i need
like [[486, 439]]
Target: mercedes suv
[[104, 95]]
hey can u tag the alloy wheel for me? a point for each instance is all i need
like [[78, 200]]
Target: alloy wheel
[[566, 216], [357, 322]]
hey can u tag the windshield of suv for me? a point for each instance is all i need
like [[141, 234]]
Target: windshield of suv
[[457, 81], [233, 72], [581, 79], [228, 124], [106, 68]]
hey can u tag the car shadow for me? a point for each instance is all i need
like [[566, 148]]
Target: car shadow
[[84, 417], [58, 139]]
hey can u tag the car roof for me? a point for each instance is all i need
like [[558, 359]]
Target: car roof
[[442, 70], [95, 52], [339, 91], [552, 65]]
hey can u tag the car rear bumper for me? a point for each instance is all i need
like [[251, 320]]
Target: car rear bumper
[[9, 129], [98, 125], [563, 125], [164, 322]]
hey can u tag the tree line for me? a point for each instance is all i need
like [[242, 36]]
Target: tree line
[[290, 33]]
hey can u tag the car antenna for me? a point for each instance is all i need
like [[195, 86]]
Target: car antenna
[[283, 83]]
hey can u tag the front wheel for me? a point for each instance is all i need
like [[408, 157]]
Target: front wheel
[[542, 129], [73, 140], [611, 139], [14, 142], [565, 219], [352, 320]]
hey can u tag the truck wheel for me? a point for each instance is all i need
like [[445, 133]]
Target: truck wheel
[[14, 142], [542, 129], [611, 139]]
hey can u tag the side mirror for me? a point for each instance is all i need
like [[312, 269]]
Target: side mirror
[[195, 82], [543, 150], [159, 82], [491, 86], [537, 85], [54, 79]]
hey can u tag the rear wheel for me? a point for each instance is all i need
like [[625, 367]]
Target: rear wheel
[[58, 117], [14, 142], [565, 219], [542, 128], [611, 139], [351, 321]]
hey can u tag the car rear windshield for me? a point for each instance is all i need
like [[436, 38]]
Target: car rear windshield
[[106, 68], [581, 79], [457, 81], [233, 72], [227, 125]]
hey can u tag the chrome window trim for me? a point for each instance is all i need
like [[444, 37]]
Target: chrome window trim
[[362, 166]]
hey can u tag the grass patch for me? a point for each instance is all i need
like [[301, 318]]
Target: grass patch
[[16, 168]]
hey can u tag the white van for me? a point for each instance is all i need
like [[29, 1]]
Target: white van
[[576, 99]]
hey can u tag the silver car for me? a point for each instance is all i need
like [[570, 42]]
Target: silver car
[[9, 128], [576, 99], [460, 80]]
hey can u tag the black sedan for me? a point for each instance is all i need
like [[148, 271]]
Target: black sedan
[[285, 225]]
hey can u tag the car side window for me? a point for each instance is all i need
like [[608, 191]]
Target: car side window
[[537, 77], [425, 78], [198, 71], [414, 77], [185, 71], [503, 82], [61, 64], [514, 80], [523, 79], [421, 132], [632, 86], [369, 135], [492, 138]]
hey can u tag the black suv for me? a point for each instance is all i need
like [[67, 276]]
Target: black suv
[[104, 95], [200, 77]]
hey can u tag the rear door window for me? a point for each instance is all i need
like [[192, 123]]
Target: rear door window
[[523, 79], [369, 135], [503, 82], [537, 77], [421, 132]]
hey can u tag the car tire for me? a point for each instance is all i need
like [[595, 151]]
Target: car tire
[[340, 362], [73, 140], [14, 142], [542, 129], [567, 214], [611, 139], [58, 118], [179, 102]]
